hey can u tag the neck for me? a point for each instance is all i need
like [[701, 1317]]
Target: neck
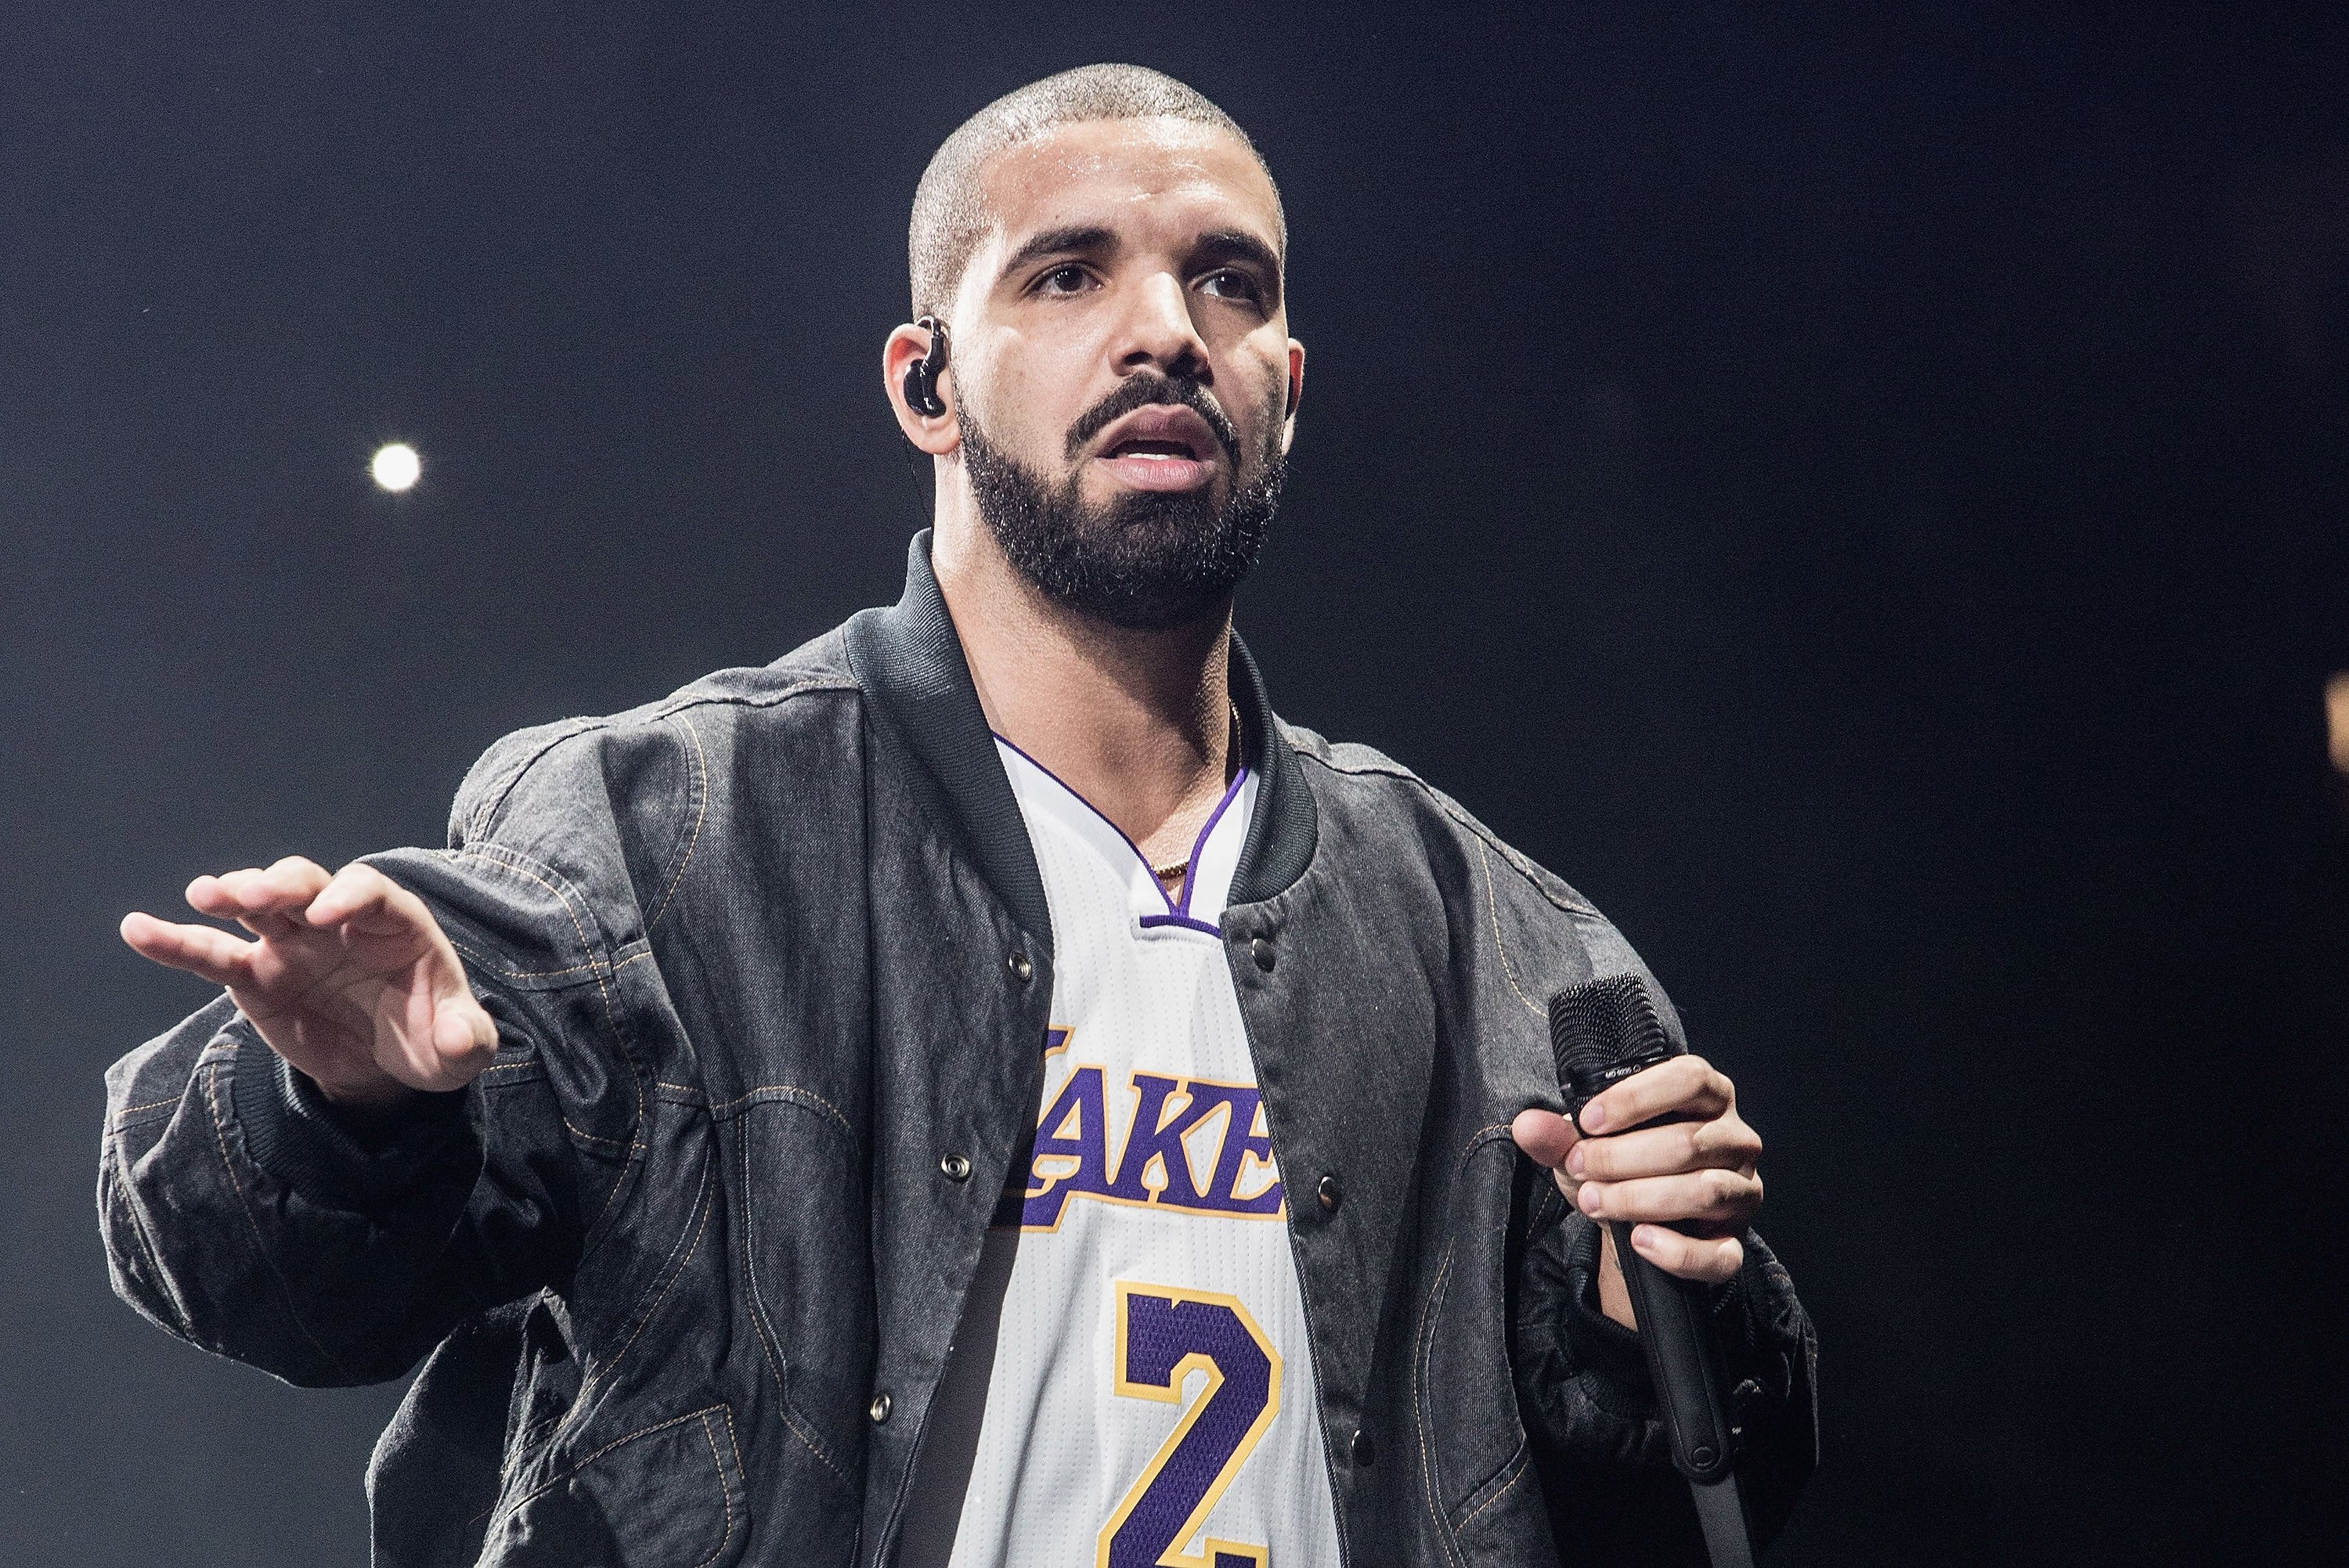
[[1137, 722]]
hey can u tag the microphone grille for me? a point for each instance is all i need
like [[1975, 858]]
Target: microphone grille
[[1602, 1030]]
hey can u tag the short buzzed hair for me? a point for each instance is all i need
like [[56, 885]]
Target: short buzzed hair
[[950, 217]]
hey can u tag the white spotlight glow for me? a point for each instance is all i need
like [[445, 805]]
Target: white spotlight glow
[[396, 467]]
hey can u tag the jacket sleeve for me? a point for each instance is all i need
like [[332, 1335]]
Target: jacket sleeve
[[1591, 1414], [240, 1216]]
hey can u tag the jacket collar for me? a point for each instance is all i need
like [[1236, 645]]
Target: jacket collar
[[910, 666]]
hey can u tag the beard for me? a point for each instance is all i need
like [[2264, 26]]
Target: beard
[[1146, 560]]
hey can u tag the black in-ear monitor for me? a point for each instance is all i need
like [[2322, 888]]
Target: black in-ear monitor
[[922, 376]]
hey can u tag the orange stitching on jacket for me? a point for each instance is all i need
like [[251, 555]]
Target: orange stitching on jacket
[[503, 973], [551, 1482], [792, 1090], [604, 1371], [1493, 906], [733, 1445], [725, 1490], [578, 1132], [603, 992], [759, 1326], [220, 1132], [496, 796], [112, 1165], [1419, 1367], [1386, 767], [508, 859], [1435, 1507], [701, 810], [477, 824], [1521, 1464]]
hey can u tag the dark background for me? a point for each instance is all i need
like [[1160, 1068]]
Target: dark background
[[1859, 494]]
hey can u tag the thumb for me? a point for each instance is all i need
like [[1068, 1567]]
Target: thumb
[[462, 1030], [1545, 1136]]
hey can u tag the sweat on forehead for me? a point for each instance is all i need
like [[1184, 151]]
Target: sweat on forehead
[[950, 217]]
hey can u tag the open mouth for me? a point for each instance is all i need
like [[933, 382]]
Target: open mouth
[[1142, 446], [1160, 447]]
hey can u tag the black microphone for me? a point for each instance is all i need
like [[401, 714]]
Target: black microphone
[[1602, 1032]]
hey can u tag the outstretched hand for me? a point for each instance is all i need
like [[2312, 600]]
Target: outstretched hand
[[349, 978], [1666, 1150]]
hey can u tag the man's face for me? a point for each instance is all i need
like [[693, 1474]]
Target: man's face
[[1122, 358]]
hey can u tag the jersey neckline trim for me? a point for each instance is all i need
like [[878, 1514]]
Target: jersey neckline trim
[[1177, 912]]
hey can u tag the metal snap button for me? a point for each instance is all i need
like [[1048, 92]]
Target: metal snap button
[[1366, 1452], [957, 1167], [1261, 951], [879, 1408], [1330, 1192], [1021, 970]]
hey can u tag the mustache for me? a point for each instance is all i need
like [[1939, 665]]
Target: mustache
[[1145, 387]]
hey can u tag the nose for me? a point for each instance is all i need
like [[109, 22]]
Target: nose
[[1159, 333]]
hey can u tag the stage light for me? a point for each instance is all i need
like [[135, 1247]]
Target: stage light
[[396, 467]]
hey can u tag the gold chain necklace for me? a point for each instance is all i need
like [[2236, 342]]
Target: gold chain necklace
[[1167, 874]]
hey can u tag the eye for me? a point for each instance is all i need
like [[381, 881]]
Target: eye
[[1065, 279], [1231, 284]]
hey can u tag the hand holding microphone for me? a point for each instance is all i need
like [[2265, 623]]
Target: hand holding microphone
[[1661, 1148], [1657, 1153]]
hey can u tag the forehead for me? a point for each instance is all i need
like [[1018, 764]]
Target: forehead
[[1134, 177]]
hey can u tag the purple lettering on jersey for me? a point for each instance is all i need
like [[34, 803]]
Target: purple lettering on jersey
[[1241, 1139], [1154, 1137], [1070, 1155], [1076, 1128]]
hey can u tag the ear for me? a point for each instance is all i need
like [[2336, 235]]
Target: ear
[[937, 434], [1295, 395]]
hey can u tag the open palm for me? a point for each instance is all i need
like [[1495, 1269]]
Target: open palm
[[348, 978]]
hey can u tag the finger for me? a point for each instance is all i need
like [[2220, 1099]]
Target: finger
[[216, 896], [270, 897], [284, 891], [361, 896], [201, 950], [1684, 1085], [450, 1046], [1708, 1197], [1546, 1137], [462, 1031], [294, 878], [291, 880], [1715, 1260], [1665, 1148]]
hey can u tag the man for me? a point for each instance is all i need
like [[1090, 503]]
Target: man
[[980, 1089]]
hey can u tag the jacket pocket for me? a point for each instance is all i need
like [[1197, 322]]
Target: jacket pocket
[[805, 1254], [1479, 1476], [669, 1495]]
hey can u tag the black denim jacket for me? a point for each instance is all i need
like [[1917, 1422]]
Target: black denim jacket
[[684, 1264]]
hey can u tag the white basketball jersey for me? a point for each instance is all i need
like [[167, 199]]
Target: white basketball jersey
[[1150, 1396]]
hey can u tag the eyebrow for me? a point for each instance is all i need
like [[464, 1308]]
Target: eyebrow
[[1077, 238], [1238, 245]]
